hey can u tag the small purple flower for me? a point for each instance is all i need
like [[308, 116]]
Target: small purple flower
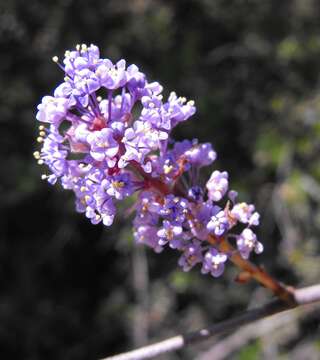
[[246, 242], [201, 155], [192, 255], [68, 91], [92, 214], [147, 209], [174, 209], [108, 212], [112, 76], [166, 167], [181, 147], [179, 109], [202, 213], [103, 145], [136, 81], [52, 110], [83, 57], [218, 224], [213, 262], [147, 136], [147, 235], [136, 150], [53, 155], [118, 186], [195, 193], [245, 213], [217, 185], [86, 81], [232, 195], [254, 219], [169, 233]]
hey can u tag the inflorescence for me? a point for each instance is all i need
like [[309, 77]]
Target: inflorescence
[[108, 137]]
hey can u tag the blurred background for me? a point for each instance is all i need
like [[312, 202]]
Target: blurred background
[[72, 290]]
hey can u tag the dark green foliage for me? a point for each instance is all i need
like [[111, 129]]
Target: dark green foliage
[[67, 287]]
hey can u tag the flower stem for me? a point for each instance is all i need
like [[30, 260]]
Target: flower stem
[[260, 275]]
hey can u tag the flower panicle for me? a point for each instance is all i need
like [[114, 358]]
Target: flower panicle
[[96, 143]]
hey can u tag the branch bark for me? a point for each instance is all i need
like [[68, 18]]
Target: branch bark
[[301, 296], [278, 324]]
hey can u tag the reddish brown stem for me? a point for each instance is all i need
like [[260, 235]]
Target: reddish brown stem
[[281, 291], [155, 183]]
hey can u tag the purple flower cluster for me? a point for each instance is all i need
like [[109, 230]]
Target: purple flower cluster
[[106, 135]]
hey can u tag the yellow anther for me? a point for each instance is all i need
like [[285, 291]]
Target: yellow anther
[[55, 59], [40, 162], [83, 189], [78, 47], [36, 155], [87, 198], [190, 103], [167, 169], [40, 139], [118, 184], [248, 242], [42, 133], [41, 127], [99, 98], [44, 177], [84, 47]]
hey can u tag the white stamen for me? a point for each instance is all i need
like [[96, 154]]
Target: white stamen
[[36, 155]]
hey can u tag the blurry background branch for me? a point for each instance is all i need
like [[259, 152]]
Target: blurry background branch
[[271, 325], [302, 296], [140, 284]]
